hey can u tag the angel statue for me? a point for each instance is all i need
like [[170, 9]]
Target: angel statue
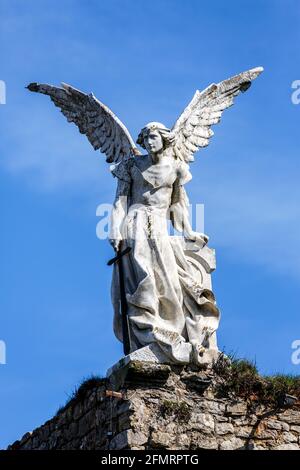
[[161, 291]]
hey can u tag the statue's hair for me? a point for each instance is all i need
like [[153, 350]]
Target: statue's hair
[[166, 134]]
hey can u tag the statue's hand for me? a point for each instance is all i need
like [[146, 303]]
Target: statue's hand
[[115, 243], [197, 237]]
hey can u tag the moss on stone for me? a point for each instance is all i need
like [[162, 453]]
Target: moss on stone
[[178, 409], [240, 377]]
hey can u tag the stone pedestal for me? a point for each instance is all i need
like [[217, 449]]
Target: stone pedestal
[[144, 405]]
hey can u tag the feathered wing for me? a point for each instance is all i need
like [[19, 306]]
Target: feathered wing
[[193, 128], [102, 128]]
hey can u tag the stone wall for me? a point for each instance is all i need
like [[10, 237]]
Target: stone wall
[[159, 407]]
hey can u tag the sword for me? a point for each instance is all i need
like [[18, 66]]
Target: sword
[[124, 306]]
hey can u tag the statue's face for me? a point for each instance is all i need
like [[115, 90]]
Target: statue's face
[[153, 142]]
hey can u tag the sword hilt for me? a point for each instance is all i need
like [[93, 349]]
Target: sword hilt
[[119, 256]]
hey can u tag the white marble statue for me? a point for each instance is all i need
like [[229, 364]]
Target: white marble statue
[[164, 289]]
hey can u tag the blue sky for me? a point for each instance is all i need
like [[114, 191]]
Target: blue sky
[[145, 60]]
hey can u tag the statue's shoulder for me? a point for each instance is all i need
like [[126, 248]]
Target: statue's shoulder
[[140, 161], [122, 169], [183, 171]]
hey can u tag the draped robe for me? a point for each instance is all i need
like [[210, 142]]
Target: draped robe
[[167, 305]]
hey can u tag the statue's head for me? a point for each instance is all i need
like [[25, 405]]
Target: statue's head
[[155, 137]]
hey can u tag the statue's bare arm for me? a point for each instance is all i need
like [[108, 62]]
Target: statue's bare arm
[[118, 213], [180, 217]]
